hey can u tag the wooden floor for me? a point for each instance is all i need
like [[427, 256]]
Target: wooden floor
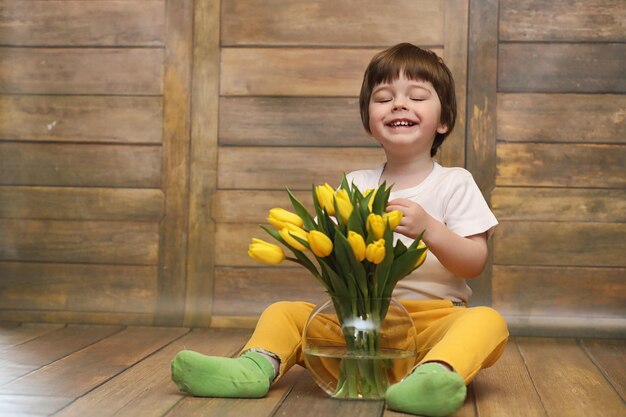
[[74, 370]]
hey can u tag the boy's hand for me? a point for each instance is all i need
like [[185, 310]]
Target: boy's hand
[[414, 217]]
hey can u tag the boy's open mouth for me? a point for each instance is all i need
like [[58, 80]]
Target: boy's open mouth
[[401, 123]]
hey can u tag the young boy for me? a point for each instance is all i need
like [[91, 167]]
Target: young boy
[[408, 105]]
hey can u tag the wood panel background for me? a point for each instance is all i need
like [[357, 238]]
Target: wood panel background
[[143, 141]]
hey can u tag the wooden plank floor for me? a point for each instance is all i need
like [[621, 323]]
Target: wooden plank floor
[[76, 370]]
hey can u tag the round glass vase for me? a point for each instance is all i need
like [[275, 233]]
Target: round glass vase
[[357, 348]]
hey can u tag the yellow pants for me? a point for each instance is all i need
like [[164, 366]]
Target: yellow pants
[[468, 339]]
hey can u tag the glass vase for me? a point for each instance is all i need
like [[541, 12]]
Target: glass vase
[[357, 348]]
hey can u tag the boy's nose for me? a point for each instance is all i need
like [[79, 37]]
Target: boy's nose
[[399, 104]]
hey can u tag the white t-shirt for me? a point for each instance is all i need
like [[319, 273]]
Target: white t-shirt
[[451, 196]]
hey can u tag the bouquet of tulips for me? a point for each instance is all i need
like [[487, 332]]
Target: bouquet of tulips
[[349, 248]]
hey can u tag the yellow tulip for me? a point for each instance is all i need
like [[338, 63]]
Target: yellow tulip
[[375, 252], [422, 257], [371, 191], [358, 245], [265, 252], [344, 205], [376, 225], [280, 217], [289, 231], [326, 197], [393, 218], [321, 245]]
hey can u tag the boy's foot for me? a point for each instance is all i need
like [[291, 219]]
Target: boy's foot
[[248, 376], [430, 390]]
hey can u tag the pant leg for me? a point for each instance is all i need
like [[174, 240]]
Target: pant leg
[[279, 332], [468, 339]]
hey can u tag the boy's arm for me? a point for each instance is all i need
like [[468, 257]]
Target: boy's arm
[[463, 256]]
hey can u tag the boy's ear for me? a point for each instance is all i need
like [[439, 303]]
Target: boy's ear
[[443, 128]]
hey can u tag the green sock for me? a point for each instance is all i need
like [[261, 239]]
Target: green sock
[[430, 391], [248, 376]]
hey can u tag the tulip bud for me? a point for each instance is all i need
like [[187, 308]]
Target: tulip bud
[[265, 252], [422, 257], [279, 217], [320, 244], [393, 217], [375, 252], [344, 204], [376, 225], [325, 197], [289, 231], [358, 245], [370, 203]]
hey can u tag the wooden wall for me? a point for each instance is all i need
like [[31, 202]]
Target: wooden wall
[[560, 183], [143, 141]]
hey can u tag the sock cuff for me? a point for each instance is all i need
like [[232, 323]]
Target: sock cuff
[[262, 362]]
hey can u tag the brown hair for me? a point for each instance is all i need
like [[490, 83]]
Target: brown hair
[[416, 64]]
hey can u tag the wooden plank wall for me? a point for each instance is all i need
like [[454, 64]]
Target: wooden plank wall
[[560, 188], [288, 117], [143, 141], [93, 131]]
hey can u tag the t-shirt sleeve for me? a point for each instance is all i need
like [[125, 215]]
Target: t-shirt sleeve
[[466, 211]]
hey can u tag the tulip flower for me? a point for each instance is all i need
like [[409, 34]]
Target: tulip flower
[[422, 257], [375, 252], [289, 231], [265, 252], [344, 204], [320, 244], [370, 203], [326, 197], [280, 217], [376, 225], [393, 217], [358, 245]]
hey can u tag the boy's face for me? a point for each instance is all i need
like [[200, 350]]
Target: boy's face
[[404, 115]]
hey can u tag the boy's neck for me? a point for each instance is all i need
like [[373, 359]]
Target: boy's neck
[[406, 173]]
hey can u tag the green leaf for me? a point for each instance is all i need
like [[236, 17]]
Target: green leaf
[[307, 219], [399, 249], [383, 268], [350, 263]]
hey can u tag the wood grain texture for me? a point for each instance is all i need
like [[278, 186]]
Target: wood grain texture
[[105, 288], [106, 119], [248, 291], [82, 23], [455, 55], [572, 118], [228, 205], [12, 335], [564, 244], [610, 357], [147, 389], [80, 165], [332, 23], [232, 241], [31, 405], [296, 168], [535, 290], [294, 71], [566, 20], [202, 163], [68, 241], [81, 372], [559, 204], [568, 382], [68, 203], [123, 71], [20, 360], [507, 388], [561, 165], [173, 231], [86, 317], [291, 121], [562, 67], [306, 395]]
